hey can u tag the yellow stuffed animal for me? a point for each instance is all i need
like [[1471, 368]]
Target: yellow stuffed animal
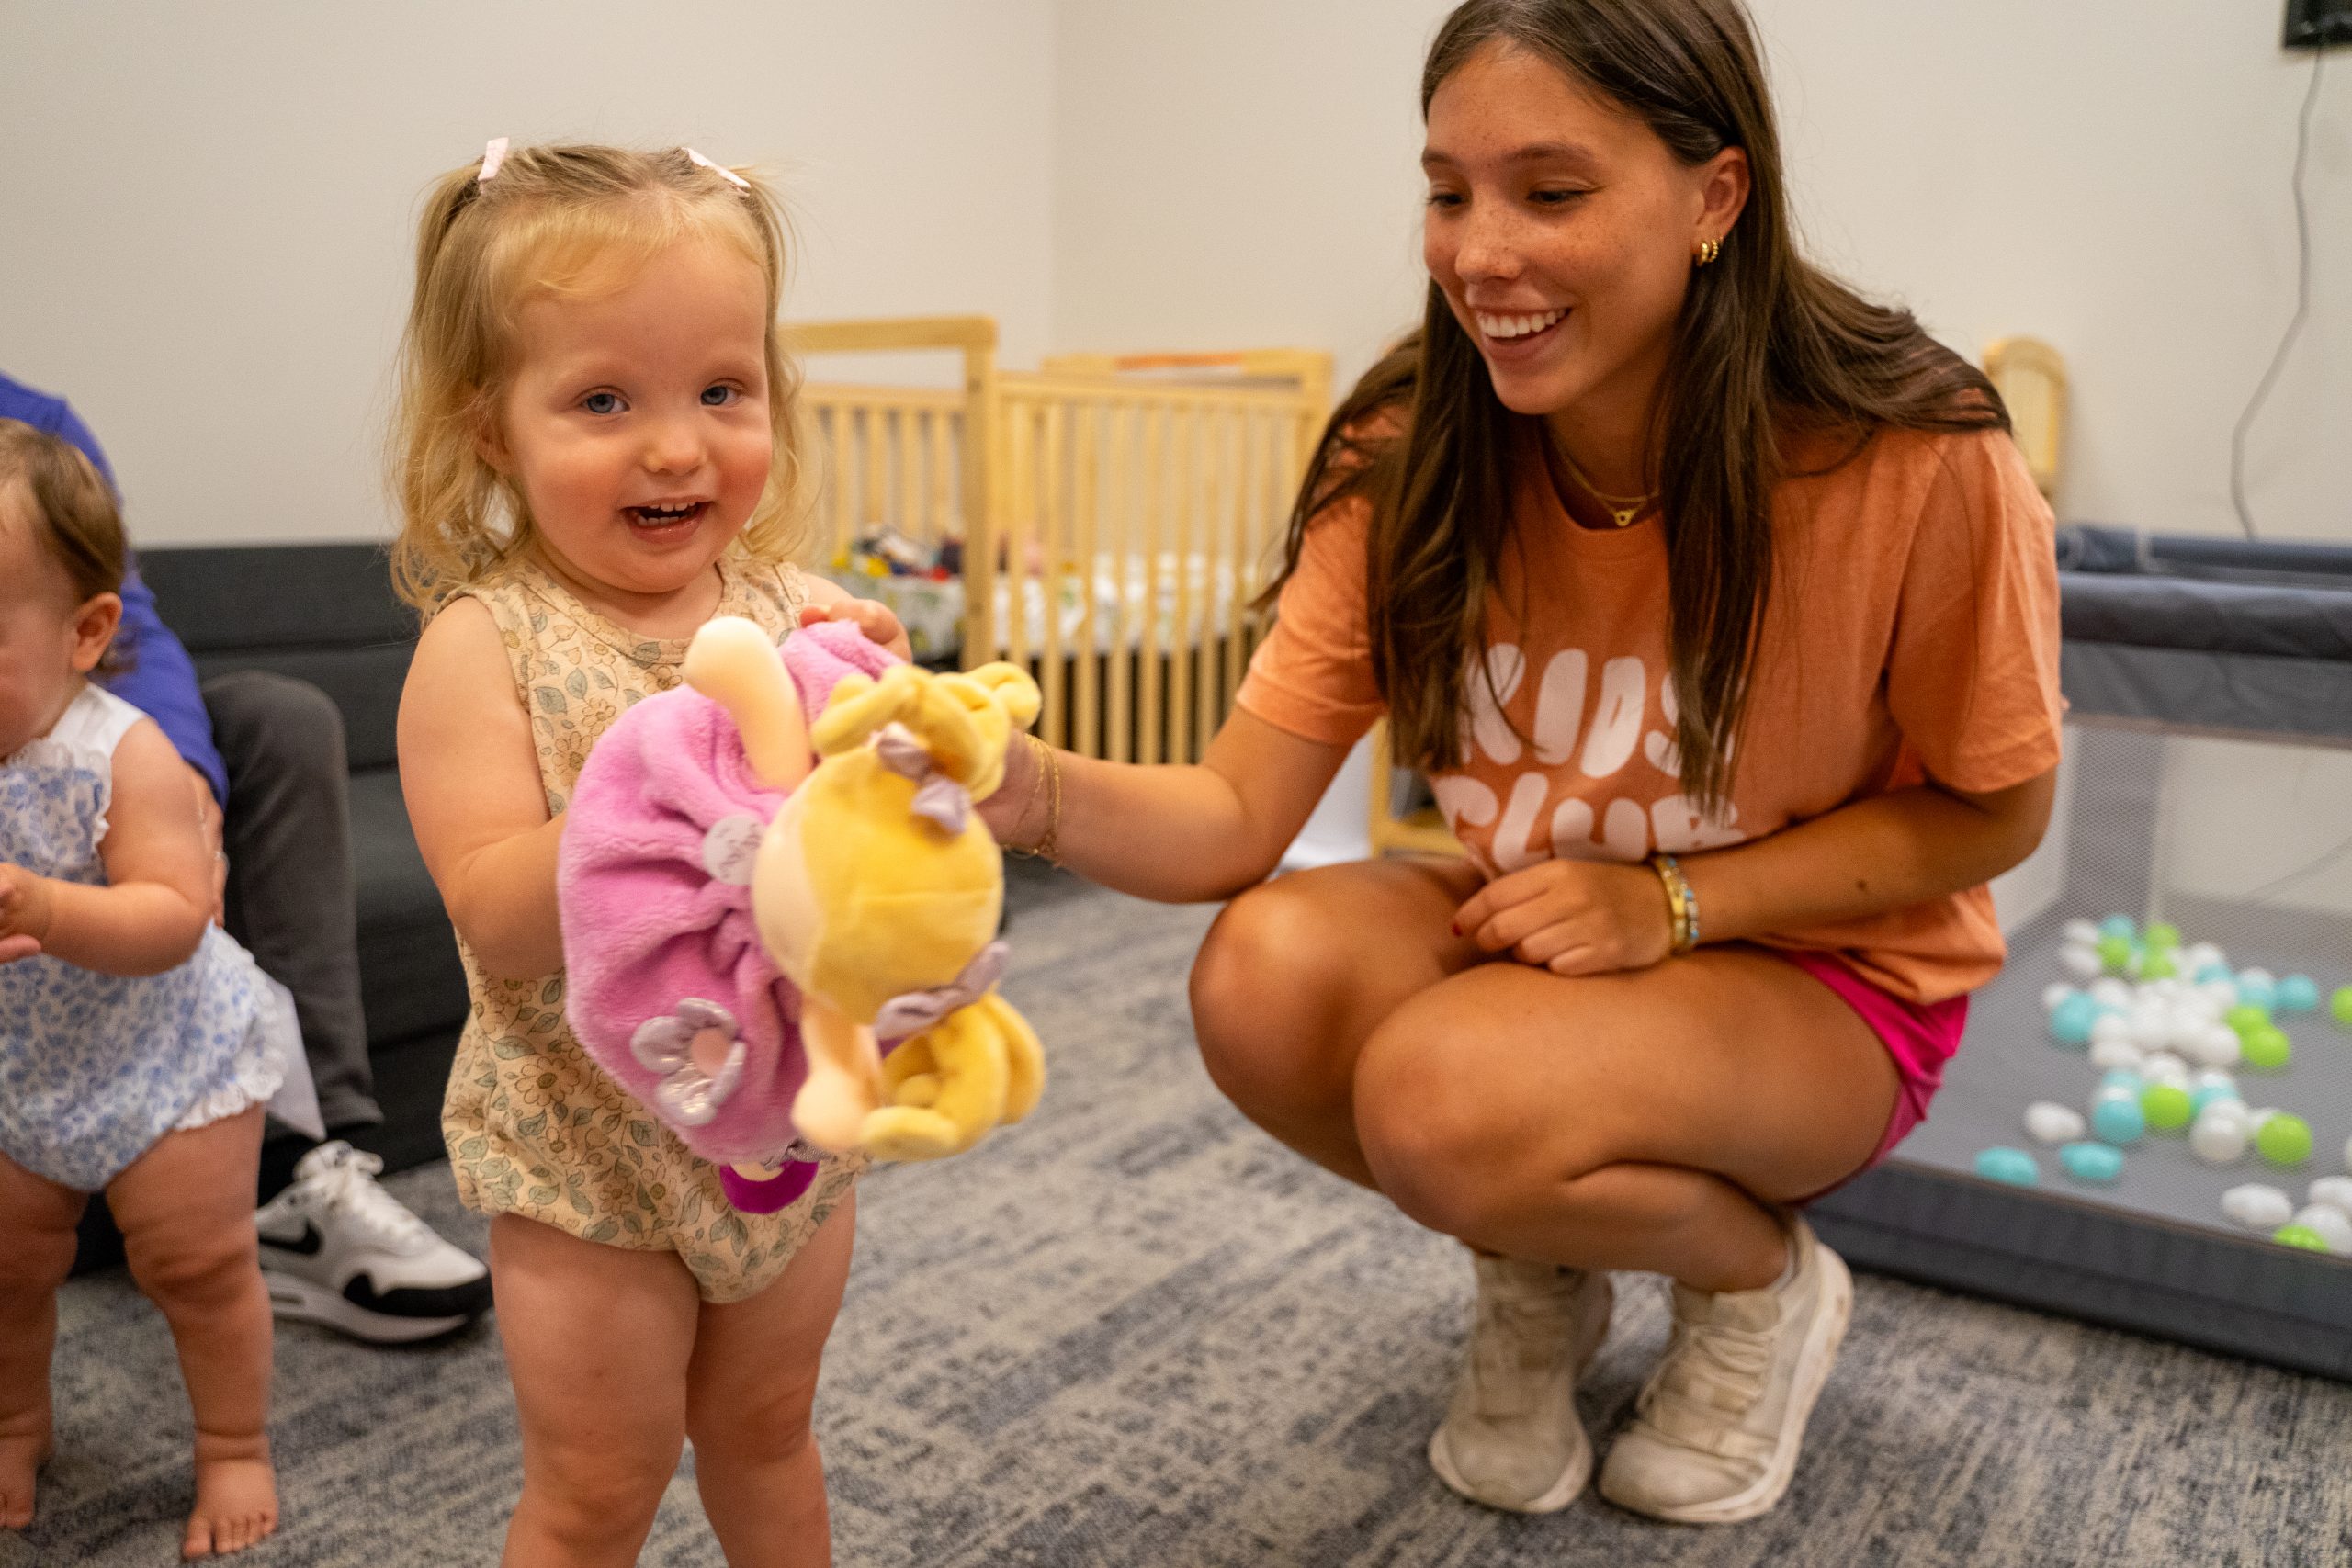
[[877, 890]]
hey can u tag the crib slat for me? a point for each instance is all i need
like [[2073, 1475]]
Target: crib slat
[[1216, 474], [906, 505], [1087, 733], [1157, 422], [1122, 508], [1183, 492], [844, 524], [1053, 721], [1020, 518]]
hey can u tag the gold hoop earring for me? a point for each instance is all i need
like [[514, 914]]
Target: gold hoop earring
[[1709, 250]]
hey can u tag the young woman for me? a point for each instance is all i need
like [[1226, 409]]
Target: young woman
[[1722, 613]]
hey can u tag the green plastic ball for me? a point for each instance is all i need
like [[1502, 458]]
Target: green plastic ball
[[2304, 1236], [2267, 1048], [2167, 1106], [2162, 936], [2340, 1006], [2285, 1139], [2115, 953], [2162, 963], [2245, 1018]]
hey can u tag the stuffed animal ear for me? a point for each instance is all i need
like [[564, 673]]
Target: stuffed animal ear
[[997, 699], [860, 705], [733, 663], [924, 703]]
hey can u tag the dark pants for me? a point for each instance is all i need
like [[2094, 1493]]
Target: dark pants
[[287, 834]]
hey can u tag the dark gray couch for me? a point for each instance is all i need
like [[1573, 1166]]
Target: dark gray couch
[[326, 613]]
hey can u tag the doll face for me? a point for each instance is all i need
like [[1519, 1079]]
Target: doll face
[[48, 638], [636, 424]]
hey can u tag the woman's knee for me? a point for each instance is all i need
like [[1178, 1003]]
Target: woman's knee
[[1268, 990]]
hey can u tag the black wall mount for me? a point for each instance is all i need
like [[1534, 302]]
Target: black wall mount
[[2315, 24]]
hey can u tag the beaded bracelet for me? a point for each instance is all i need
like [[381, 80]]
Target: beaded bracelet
[[1681, 901]]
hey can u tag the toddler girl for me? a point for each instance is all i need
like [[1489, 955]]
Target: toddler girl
[[593, 460], [138, 1042]]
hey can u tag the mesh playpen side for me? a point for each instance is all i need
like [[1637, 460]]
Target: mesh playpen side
[[1104, 521]]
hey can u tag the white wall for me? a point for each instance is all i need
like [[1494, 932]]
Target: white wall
[[2112, 175], [205, 210]]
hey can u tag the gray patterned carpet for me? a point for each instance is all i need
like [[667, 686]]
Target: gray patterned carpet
[[1134, 1331]]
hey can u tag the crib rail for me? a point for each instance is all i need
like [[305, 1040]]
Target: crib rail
[[1118, 513]]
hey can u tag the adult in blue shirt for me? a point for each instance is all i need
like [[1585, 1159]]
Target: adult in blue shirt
[[267, 769]]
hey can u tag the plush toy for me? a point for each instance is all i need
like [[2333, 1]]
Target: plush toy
[[747, 927]]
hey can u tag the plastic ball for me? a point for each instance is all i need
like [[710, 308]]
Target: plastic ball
[[2111, 993], [2198, 954], [2120, 926], [2340, 1006], [2218, 1140], [2123, 1080], [2115, 953], [2256, 990], [2151, 1025], [2336, 1191], [2217, 1045], [2256, 1207], [2112, 1053], [2300, 1235], [2081, 930], [2055, 992], [2111, 1025], [2071, 1021], [2213, 973], [2166, 1107], [2164, 1067], [2284, 1140], [2051, 1123], [2297, 993], [2267, 1049], [2159, 964], [2219, 989], [2254, 974], [2116, 1118], [2201, 1094], [2245, 1016], [2081, 960], [2161, 934], [2092, 1162], [2330, 1224], [2014, 1166]]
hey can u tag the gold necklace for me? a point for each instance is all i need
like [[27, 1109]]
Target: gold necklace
[[1622, 509]]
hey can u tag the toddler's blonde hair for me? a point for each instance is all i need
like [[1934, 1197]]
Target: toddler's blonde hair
[[552, 219]]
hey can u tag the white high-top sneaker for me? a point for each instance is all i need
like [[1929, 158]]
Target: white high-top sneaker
[[1512, 1438], [1718, 1426]]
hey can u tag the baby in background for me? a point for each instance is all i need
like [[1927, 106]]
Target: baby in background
[[138, 1042]]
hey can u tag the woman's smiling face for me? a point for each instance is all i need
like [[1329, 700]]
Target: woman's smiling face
[[1562, 230]]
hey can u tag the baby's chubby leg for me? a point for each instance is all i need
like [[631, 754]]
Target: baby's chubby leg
[[37, 1221], [748, 1398], [597, 1344], [185, 1209]]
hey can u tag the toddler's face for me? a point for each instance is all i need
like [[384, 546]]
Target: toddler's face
[[636, 423], [40, 648]]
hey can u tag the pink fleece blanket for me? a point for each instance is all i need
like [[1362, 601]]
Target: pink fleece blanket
[[668, 988]]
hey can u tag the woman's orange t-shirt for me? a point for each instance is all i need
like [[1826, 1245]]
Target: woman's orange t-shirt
[[1912, 633]]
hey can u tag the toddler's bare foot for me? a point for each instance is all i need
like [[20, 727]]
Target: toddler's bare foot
[[24, 1448], [236, 1496]]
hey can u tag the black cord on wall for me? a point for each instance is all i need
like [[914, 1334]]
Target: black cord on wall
[[2302, 303]]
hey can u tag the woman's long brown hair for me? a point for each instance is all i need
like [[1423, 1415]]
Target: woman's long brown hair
[[1765, 343]]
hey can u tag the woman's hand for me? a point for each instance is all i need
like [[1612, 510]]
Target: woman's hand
[[25, 907], [880, 627], [1016, 814], [1572, 916]]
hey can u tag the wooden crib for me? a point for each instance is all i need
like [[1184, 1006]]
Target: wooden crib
[[1107, 519]]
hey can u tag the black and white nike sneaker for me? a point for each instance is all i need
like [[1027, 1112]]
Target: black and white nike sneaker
[[337, 1249]]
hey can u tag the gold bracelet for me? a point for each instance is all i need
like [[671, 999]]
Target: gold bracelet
[[1048, 845], [1681, 901]]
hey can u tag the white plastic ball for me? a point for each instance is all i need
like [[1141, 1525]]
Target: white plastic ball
[[2256, 1207], [2114, 1052], [2218, 1140], [2195, 956], [2336, 1191], [2222, 994], [2079, 934], [2257, 977], [2114, 1026], [2051, 1123], [2109, 992], [2151, 1027], [2214, 1045], [2332, 1225], [2214, 1077], [2165, 1067], [2082, 963], [2052, 994]]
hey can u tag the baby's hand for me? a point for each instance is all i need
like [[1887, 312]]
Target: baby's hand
[[876, 621], [24, 912]]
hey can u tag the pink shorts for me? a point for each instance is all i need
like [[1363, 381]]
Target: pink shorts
[[1919, 1037]]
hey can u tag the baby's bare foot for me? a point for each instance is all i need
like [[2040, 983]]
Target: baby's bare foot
[[24, 1448], [236, 1496]]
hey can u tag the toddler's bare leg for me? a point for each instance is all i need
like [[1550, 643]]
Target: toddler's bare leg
[[185, 1209], [748, 1397], [37, 1221], [597, 1341]]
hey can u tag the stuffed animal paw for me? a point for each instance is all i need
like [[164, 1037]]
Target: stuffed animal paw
[[976, 1069]]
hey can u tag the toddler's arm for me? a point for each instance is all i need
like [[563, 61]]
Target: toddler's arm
[[153, 912], [470, 773]]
